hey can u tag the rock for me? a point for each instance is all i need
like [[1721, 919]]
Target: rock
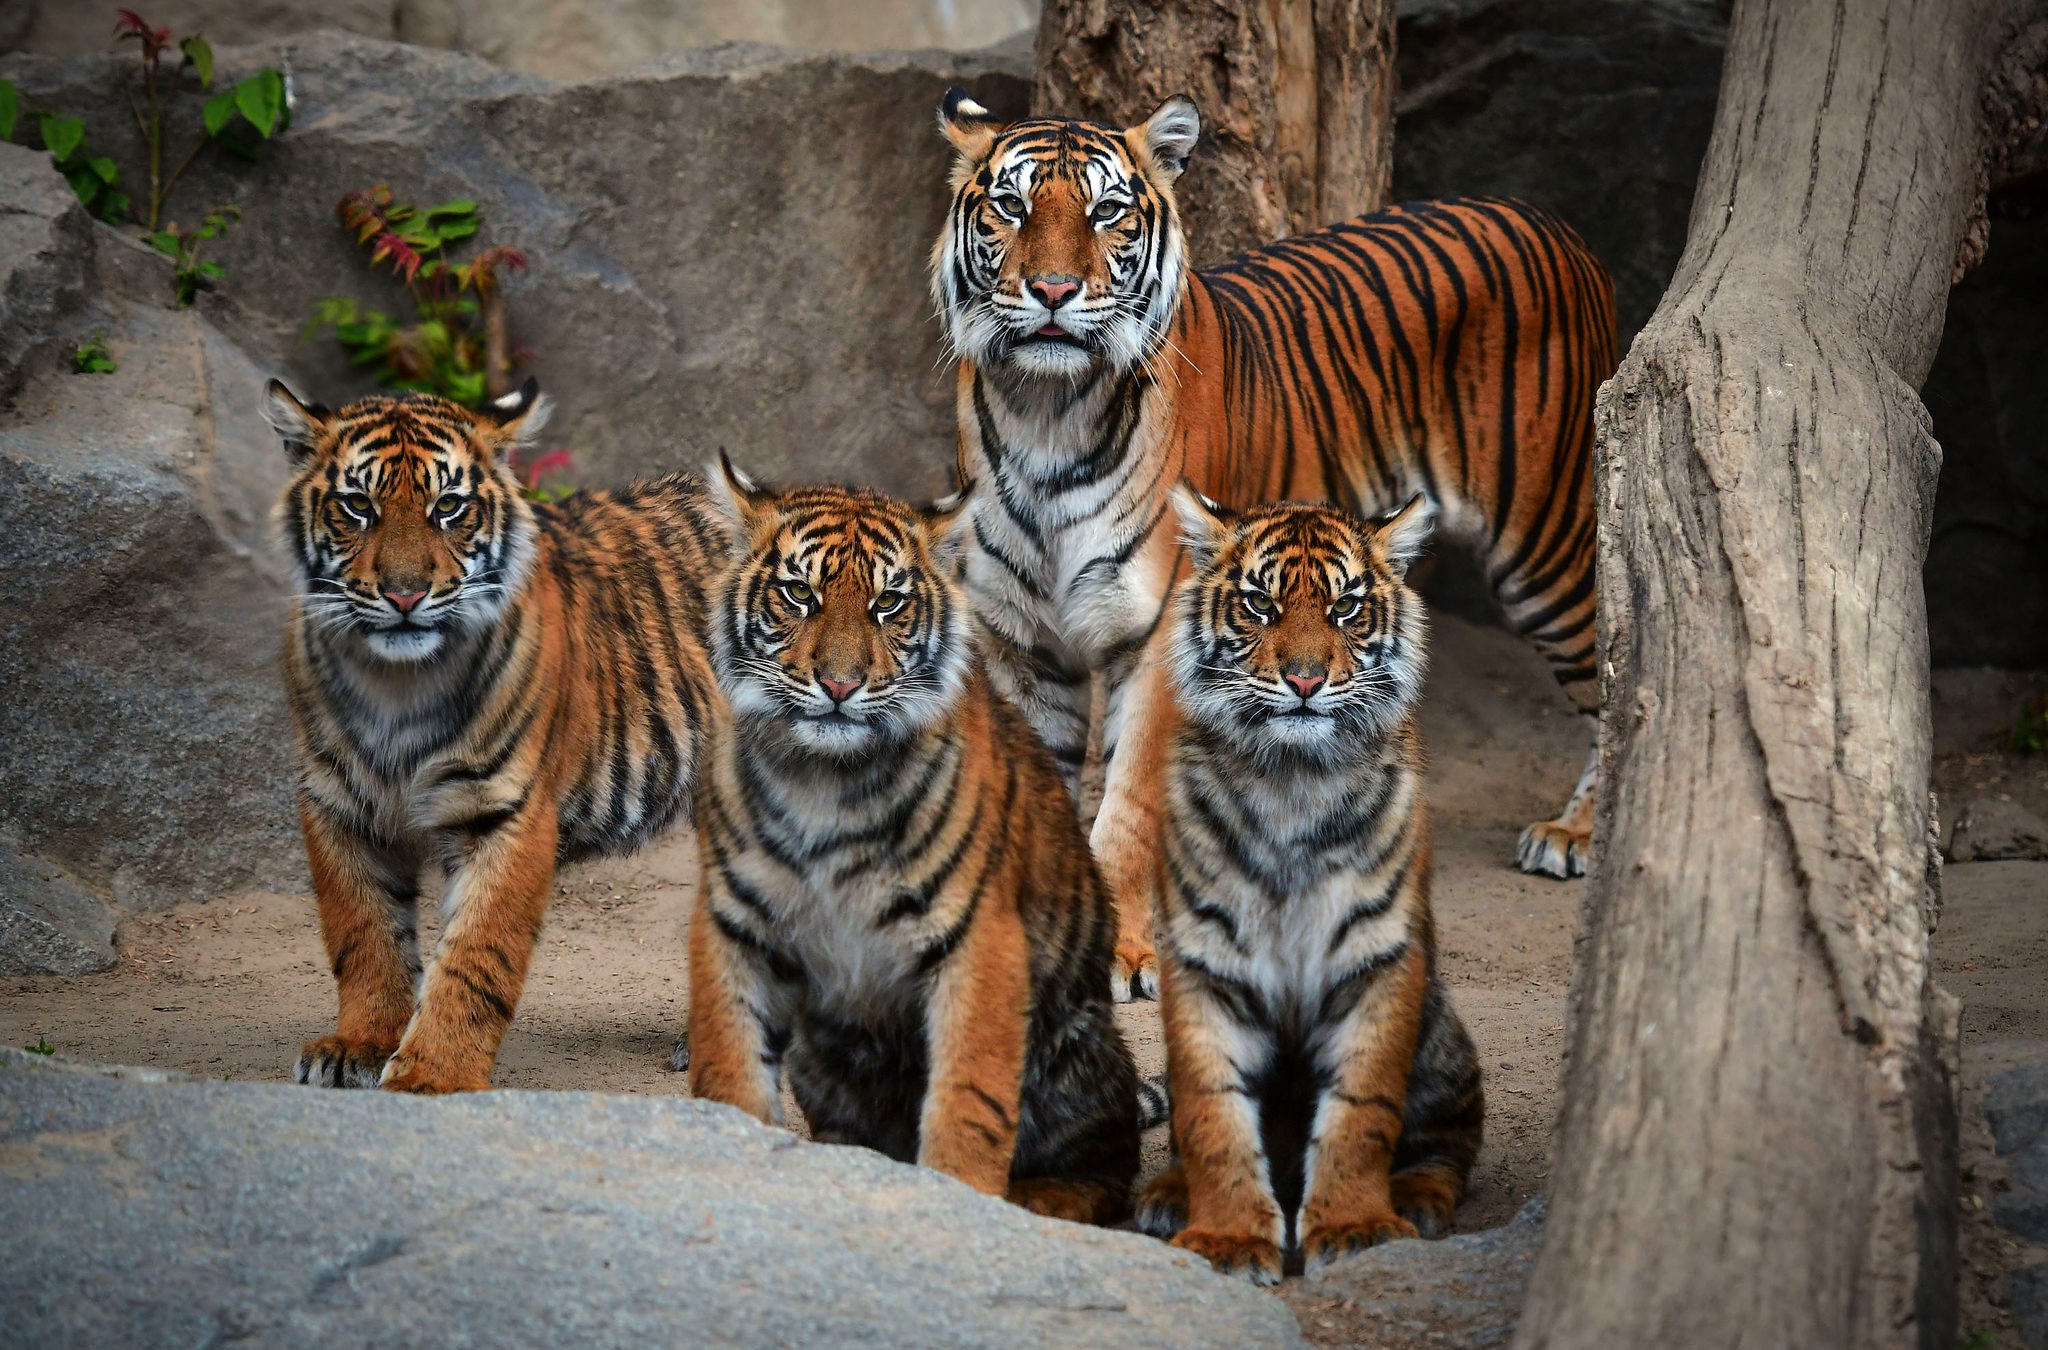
[[1597, 109], [1988, 830], [728, 249], [181, 1213], [45, 249], [148, 754], [49, 924], [2016, 1105], [1464, 1291], [2026, 1298]]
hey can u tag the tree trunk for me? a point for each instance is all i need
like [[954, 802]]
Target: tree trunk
[[1297, 101], [1758, 1140]]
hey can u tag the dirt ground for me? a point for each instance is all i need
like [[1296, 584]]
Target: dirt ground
[[232, 987]]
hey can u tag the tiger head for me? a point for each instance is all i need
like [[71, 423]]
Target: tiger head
[[840, 619], [1297, 635], [1063, 251], [403, 519]]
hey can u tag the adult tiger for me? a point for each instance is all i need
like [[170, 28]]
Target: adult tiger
[[477, 683], [1452, 348]]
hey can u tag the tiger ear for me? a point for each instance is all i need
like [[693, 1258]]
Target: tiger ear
[[970, 127], [299, 425], [739, 499], [1168, 136], [518, 416], [944, 520], [1403, 534], [1204, 523]]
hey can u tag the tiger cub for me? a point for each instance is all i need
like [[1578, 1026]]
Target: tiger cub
[[898, 903], [1325, 1095], [477, 683]]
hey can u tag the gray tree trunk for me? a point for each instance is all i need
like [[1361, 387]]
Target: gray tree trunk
[[1297, 100], [1757, 1146]]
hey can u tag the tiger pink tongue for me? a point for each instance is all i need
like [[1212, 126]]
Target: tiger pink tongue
[[1052, 330]]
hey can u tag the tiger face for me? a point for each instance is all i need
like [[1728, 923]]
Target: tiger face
[[1297, 635], [403, 520], [1062, 252], [839, 619]]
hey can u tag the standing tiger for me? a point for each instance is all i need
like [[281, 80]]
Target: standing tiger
[[1320, 1074], [477, 683], [898, 902], [1452, 348]]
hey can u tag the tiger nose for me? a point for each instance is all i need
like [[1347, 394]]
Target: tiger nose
[[405, 600], [1305, 676], [1053, 289], [840, 690]]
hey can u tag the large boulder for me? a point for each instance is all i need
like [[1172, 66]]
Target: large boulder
[[728, 249], [166, 1213]]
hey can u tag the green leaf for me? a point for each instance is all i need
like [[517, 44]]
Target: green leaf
[[458, 229], [261, 100], [83, 181], [219, 111], [163, 241], [466, 389], [10, 109], [62, 135], [212, 270], [461, 207], [199, 55], [113, 207], [105, 168]]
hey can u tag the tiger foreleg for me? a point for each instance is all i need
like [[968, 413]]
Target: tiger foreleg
[[366, 904], [1126, 838], [1224, 1191], [977, 1026], [494, 903], [730, 1058], [1348, 1204], [1563, 847], [1051, 692]]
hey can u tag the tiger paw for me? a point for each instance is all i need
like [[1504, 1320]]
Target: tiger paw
[[1163, 1208], [409, 1073], [1074, 1201], [1134, 970], [1551, 849], [332, 1062], [1326, 1243], [1241, 1254], [1428, 1199]]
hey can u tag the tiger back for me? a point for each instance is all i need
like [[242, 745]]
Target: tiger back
[[481, 685], [1452, 348], [1326, 1095], [898, 906]]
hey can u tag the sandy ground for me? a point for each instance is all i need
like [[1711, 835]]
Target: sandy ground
[[232, 987]]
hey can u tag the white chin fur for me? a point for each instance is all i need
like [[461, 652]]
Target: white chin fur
[[832, 738], [1051, 359], [404, 644]]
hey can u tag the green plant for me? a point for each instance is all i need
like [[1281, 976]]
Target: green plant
[[2030, 734], [1979, 1340], [91, 358], [41, 1047], [458, 346], [237, 119], [191, 274], [532, 476]]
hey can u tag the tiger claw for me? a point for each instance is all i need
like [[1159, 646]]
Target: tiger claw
[[1549, 849], [1134, 973]]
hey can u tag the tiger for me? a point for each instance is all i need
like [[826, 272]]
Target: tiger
[[478, 683], [1325, 1095], [898, 905], [1451, 347]]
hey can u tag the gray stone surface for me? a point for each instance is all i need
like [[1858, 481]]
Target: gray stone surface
[[1990, 830], [2016, 1105], [147, 754], [1463, 1291], [728, 249], [45, 250], [2026, 1297], [180, 1214], [49, 924]]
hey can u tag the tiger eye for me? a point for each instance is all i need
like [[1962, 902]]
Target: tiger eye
[[797, 593]]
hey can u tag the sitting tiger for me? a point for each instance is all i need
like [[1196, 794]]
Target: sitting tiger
[[898, 903], [481, 684], [1319, 1072], [1452, 348]]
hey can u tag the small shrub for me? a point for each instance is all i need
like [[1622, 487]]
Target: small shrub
[[41, 1047], [2030, 734], [533, 484], [457, 346], [191, 274], [91, 358]]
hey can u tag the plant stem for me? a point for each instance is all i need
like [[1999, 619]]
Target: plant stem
[[180, 171], [497, 364]]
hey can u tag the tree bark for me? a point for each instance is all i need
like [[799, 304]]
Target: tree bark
[[1758, 1139], [1297, 101]]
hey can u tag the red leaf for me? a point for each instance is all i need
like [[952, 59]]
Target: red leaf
[[405, 259], [129, 24]]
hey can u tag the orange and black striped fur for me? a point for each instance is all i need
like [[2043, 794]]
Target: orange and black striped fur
[[898, 904], [1319, 1073], [1452, 348], [479, 684]]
